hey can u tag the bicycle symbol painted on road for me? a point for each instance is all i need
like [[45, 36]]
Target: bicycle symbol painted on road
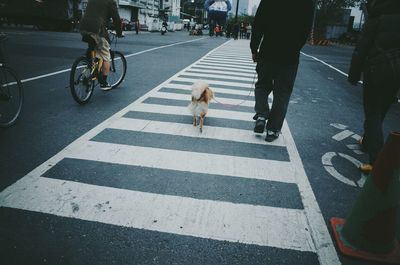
[[329, 156]]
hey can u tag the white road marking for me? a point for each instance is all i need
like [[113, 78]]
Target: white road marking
[[239, 223], [356, 137], [215, 113], [238, 60], [237, 78], [230, 56], [186, 98], [221, 73], [209, 132], [356, 148], [227, 62], [216, 82], [163, 46], [327, 162], [234, 166], [330, 66], [215, 89], [338, 126], [226, 68], [234, 59], [319, 232], [126, 56], [303, 230], [215, 63], [342, 135]]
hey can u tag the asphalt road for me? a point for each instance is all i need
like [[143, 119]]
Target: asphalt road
[[323, 105]]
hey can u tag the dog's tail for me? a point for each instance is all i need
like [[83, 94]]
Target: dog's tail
[[210, 93], [198, 89]]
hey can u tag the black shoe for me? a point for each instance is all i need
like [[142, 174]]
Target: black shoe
[[105, 86], [255, 117], [271, 136], [260, 125]]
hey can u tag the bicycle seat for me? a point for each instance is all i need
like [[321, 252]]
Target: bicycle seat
[[89, 40]]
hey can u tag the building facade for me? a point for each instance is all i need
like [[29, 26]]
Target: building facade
[[150, 13]]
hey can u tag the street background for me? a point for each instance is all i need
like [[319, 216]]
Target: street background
[[322, 105]]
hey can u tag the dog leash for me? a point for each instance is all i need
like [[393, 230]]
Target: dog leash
[[241, 102]]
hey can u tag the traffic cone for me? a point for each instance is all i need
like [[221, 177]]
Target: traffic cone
[[369, 232]]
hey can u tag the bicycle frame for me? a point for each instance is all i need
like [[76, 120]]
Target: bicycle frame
[[83, 81]]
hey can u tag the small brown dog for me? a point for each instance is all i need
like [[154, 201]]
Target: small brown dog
[[201, 97]]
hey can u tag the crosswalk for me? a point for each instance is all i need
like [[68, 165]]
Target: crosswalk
[[154, 138]]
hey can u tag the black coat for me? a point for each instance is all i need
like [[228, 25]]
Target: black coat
[[380, 33], [97, 16], [282, 28]]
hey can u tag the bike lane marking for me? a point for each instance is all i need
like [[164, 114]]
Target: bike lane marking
[[311, 235], [324, 63], [126, 56], [328, 165], [327, 158]]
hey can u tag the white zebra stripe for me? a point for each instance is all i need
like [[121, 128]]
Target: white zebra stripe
[[209, 132], [249, 224], [214, 88], [187, 98]]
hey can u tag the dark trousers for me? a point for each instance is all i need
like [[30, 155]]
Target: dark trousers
[[379, 93], [278, 79]]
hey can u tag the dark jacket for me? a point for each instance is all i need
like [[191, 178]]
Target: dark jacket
[[381, 32], [97, 15], [282, 28]]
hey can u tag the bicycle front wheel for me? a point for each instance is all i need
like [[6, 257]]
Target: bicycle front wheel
[[117, 69], [11, 96], [81, 82]]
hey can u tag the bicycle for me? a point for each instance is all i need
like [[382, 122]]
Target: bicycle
[[11, 91], [86, 71]]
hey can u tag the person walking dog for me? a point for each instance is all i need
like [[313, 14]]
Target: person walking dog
[[276, 49]]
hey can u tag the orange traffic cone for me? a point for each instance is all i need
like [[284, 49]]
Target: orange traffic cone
[[369, 232]]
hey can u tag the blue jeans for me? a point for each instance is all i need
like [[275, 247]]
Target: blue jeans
[[278, 79]]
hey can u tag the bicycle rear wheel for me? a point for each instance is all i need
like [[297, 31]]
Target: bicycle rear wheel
[[11, 96], [117, 69], [80, 80]]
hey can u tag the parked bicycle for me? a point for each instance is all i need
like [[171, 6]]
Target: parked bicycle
[[86, 72], [11, 91]]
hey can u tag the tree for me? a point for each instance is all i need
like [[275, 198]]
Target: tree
[[242, 19]]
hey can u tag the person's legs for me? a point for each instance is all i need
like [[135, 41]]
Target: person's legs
[[379, 93], [373, 134], [263, 88], [283, 86], [103, 51]]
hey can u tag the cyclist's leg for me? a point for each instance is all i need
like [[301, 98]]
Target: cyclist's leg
[[103, 51], [90, 52]]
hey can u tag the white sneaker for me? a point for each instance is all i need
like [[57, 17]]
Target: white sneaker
[[105, 87]]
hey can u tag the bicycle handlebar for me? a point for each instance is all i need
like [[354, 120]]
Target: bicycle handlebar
[[114, 33]]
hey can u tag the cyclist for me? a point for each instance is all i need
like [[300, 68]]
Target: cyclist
[[94, 31]]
